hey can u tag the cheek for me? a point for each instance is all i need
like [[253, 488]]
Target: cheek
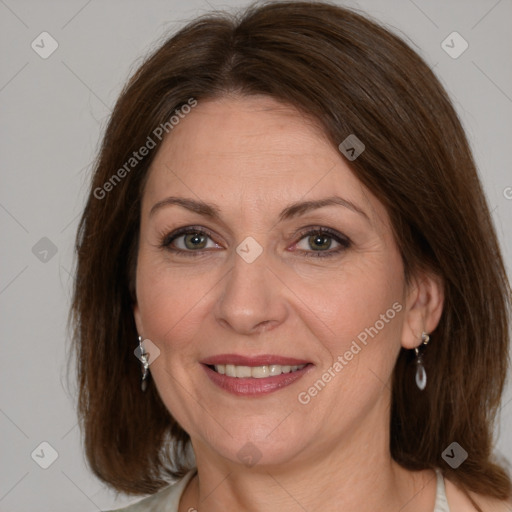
[[167, 304], [357, 316], [170, 307], [347, 305]]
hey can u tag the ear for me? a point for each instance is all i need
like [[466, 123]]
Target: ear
[[423, 309], [138, 318]]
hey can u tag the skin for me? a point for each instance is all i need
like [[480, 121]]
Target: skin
[[252, 157]]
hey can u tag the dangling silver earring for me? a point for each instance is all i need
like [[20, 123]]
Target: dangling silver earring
[[145, 365], [421, 374]]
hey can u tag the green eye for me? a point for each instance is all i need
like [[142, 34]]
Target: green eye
[[318, 242], [188, 241], [321, 242], [194, 241]]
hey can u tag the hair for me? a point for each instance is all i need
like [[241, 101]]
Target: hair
[[353, 76]]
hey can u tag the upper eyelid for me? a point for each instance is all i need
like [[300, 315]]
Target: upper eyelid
[[168, 238]]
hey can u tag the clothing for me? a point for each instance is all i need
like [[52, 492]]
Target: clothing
[[441, 504], [168, 499]]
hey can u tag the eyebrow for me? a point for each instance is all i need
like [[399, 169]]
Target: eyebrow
[[293, 210], [299, 208], [200, 207]]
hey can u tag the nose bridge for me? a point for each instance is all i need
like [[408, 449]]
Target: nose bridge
[[250, 298]]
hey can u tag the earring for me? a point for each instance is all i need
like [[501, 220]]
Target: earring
[[421, 374], [145, 365]]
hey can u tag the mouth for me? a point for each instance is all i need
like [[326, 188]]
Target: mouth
[[254, 372], [253, 376]]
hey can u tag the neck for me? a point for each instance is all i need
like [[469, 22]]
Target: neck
[[358, 475]]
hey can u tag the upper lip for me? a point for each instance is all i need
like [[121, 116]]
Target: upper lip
[[262, 360]]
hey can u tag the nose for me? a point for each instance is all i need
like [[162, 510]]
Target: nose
[[251, 300]]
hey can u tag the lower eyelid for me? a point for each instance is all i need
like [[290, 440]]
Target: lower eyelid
[[324, 254], [169, 239], [180, 236], [342, 241]]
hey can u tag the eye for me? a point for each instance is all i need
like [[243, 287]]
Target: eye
[[189, 241], [322, 242], [194, 241]]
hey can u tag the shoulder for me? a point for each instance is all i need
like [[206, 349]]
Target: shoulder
[[166, 500], [152, 503], [459, 502]]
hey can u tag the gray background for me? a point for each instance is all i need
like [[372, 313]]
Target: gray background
[[54, 111]]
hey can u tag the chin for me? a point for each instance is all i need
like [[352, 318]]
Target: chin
[[259, 448]]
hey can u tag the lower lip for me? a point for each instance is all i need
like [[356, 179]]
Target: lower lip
[[255, 387]]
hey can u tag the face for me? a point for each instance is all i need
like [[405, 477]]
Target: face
[[261, 252]]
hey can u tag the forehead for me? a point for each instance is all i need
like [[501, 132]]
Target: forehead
[[251, 149]]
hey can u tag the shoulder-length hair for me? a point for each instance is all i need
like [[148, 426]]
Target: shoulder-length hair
[[354, 77]]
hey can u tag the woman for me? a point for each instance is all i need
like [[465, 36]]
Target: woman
[[286, 227]]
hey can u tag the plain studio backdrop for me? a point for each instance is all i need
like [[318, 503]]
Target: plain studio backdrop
[[56, 97]]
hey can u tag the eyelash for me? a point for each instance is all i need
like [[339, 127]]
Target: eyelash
[[345, 242]]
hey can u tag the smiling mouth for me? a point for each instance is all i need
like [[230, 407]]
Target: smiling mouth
[[254, 376], [255, 372]]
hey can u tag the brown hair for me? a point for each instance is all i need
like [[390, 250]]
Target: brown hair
[[354, 77]]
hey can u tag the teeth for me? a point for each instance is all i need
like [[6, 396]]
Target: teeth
[[256, 372]]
